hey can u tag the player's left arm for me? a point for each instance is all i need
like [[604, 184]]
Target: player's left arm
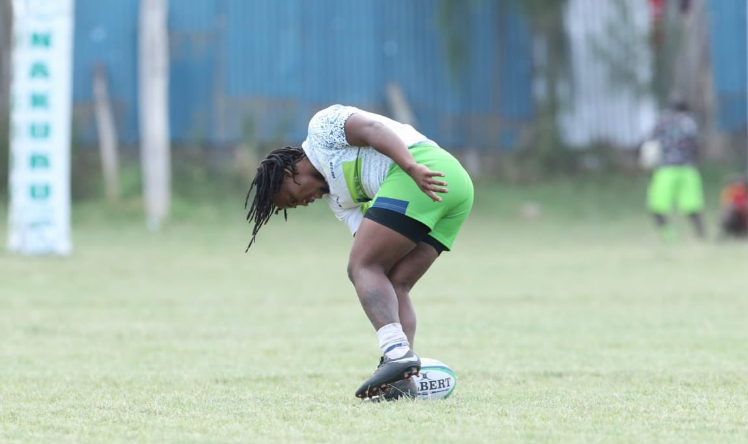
[[362, 130]]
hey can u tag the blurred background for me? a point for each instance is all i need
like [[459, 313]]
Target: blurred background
[[519, 90]]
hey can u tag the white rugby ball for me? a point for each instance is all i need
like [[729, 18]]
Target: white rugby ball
[[436, 380], [650, 154]]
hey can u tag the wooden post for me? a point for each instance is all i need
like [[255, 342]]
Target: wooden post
[[399, 104], [107, 133], [153, 101]]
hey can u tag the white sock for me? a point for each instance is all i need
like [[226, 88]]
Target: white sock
[[392, 341]]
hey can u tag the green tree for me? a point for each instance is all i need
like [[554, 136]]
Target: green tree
[[546, 20]]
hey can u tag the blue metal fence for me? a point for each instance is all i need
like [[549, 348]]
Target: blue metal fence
[[274, 63], [269, 65], [727, 20], [106, 33]]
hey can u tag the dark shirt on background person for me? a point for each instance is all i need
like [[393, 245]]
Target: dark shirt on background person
[[677, 133]]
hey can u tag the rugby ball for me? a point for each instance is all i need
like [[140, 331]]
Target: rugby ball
[[650, 154], [435, 381]]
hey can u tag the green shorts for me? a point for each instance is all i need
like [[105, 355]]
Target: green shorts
[[399, 193], [679, 185]]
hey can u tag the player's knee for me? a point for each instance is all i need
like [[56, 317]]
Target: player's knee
[[357, 267], [352, 269]]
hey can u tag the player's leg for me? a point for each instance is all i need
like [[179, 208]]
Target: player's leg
[[698, 224], [376, 250], [660, 220], [690, 198], [415, 264], [660, 199], [404, 276]]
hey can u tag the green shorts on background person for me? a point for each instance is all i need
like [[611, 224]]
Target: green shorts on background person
[[676, 187]]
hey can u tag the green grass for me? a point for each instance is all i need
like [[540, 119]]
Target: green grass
[[580, 326]]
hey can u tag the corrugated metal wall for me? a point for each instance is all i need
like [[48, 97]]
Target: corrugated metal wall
[[263, 67], [238, 64], [727, 20], [105, 33]]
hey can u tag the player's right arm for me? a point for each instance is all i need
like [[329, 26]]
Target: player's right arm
[[362, 130]]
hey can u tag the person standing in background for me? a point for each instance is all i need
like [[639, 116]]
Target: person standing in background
[[676, 179]]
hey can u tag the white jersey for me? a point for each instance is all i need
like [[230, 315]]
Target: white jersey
[[354, 174]]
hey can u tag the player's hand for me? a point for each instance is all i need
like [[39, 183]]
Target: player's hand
[[428, 181]]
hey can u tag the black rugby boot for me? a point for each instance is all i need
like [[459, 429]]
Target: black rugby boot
[[402, 389], [389, 371]]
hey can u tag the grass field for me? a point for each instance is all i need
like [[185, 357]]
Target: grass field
[[580, 326]]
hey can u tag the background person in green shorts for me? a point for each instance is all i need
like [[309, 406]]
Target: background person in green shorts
[[388, 183], [676, 180]]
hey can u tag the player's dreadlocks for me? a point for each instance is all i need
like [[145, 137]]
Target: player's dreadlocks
[[267, 183]]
